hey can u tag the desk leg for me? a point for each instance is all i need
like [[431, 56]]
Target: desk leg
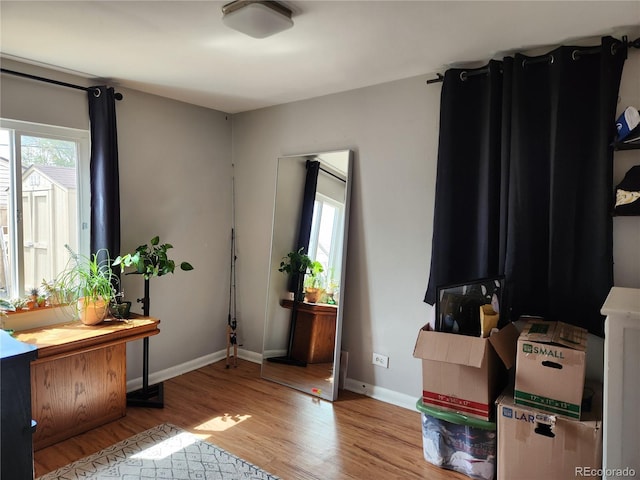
[[149, 395]]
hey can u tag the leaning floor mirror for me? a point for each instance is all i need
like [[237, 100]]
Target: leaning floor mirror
[[303, 331]]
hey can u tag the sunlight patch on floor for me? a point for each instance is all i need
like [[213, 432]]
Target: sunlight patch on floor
[[222, 423], [167, 447]]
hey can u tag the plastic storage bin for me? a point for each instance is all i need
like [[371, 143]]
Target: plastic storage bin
[[457, 442]]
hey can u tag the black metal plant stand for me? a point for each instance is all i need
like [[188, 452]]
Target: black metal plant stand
[[288, 359], [149, 395]]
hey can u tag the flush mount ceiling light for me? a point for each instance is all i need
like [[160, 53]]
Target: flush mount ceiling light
[[258, 19]]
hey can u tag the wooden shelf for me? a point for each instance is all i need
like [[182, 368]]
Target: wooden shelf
[[315, 333], [618, 146]]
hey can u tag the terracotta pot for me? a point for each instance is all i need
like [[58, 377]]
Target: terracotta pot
[[92, 313], [312, 295]]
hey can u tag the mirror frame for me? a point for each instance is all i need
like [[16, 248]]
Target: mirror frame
[[274, 297]]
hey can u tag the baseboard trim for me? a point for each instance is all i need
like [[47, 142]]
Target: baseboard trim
[[186, 367], [373, 391], [380, 393]]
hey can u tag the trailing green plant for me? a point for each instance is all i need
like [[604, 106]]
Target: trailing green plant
[[299, 263], [90, 277], [151, 260], [295, 262]]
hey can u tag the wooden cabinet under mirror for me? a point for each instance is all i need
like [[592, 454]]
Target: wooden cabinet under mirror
[[315, 335]]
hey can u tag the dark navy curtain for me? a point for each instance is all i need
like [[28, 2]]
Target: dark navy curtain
[[552, 239], [466, 226], [306, 216], [105, 189], [559, 252], [308, 200]]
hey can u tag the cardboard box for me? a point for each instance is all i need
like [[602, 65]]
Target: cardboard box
[[465, 374], [457, 442], [550, 367], [535, 445]]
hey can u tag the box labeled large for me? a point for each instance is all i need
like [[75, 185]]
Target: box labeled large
[[457, 442], [550, 367], [535, 445], [465, 374]]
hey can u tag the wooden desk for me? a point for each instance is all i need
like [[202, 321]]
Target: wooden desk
[[315, 335], [78, 381]]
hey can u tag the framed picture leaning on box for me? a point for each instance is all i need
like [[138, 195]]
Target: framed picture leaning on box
[[470, 308]]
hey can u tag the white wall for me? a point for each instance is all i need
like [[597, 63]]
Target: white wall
[[175, 182]]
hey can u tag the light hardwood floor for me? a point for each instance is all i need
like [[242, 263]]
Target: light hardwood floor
[[288, 433]]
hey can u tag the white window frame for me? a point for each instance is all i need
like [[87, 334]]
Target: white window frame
[[82, 138], [337, 233]]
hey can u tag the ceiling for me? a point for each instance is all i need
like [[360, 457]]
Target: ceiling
[[182, 50]]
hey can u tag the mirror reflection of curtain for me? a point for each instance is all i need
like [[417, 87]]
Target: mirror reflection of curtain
[[105, 177], [553, 237], [306, 215]]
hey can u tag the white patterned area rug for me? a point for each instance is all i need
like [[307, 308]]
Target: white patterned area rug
[[164, 452]]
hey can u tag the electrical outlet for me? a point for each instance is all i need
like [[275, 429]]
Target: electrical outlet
[[380, 360]]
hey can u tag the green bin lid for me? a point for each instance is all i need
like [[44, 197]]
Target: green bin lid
[[452, 417]]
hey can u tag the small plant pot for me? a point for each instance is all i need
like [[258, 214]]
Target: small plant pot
[[121, 310], [312, 295]]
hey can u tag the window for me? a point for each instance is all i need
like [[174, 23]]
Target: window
[[325, 243], [44, 202]]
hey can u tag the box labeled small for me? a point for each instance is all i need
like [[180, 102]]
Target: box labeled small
[[550, 367]]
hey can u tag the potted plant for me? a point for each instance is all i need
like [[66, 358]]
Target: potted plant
[[55, 293], [332, 289], [314, 282], [151, 260], [90, 285], [298, 264]]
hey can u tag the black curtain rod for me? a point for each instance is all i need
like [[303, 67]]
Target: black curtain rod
[[546, 58], [333, 175], [118, 96]]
